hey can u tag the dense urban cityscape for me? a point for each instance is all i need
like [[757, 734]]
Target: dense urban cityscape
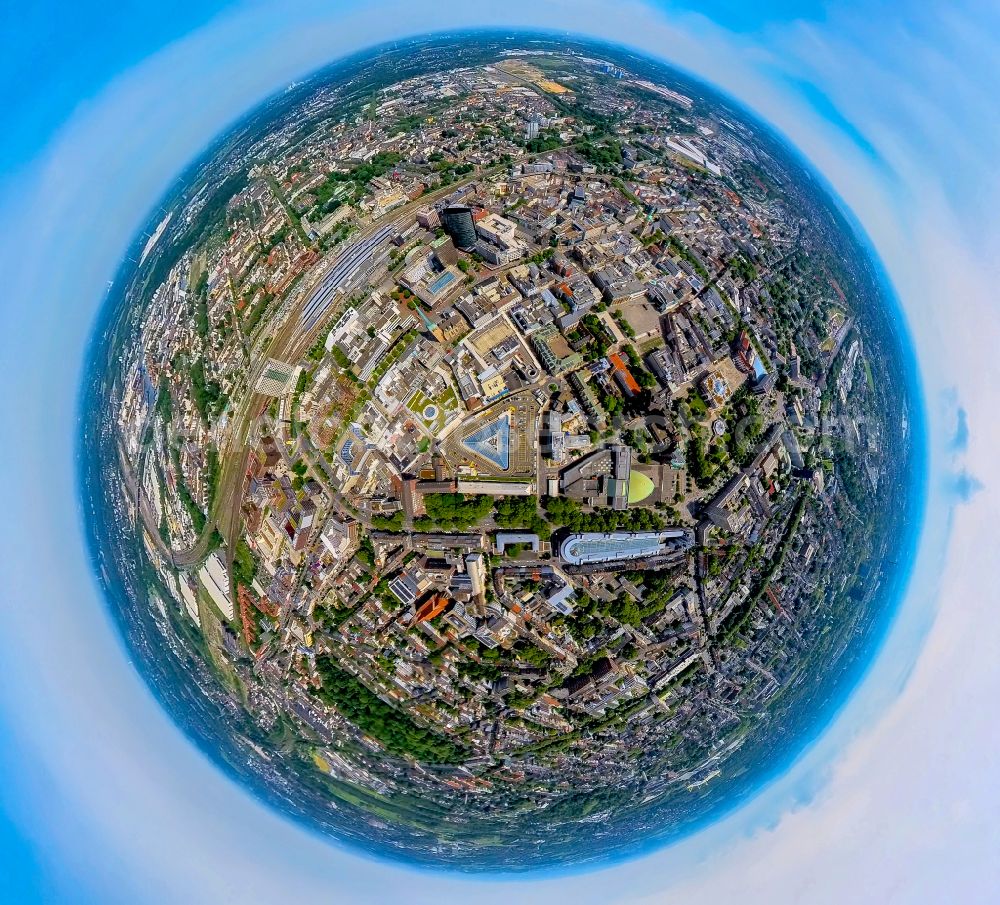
[[512, 440]]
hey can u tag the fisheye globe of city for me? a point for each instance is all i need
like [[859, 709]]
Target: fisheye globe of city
[[497, 453]]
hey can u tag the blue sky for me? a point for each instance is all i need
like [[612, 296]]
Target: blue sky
[[104, 801]]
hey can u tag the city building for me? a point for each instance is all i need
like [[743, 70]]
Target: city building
[[590, 547], [214, 579], [554, 351], [601, 478], [277, 379], [458, 223]]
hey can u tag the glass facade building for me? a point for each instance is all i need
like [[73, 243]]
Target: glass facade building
[[459, 224]]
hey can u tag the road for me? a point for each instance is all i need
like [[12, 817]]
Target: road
[[293, 337], [289, 343]]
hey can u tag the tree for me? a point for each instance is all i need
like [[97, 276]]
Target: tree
[[164, 403], [456, 510], [396, 730], [742, 268], [566, 512], [207, 394], [392, 522], [212, 476], [698, 464], [521, 512], [244, 564]]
